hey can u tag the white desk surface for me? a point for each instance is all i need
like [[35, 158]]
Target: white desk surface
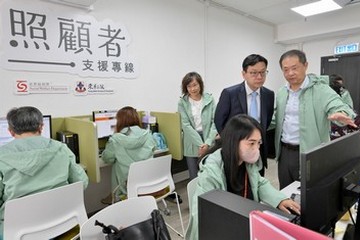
[[340, 225], [292, 188]]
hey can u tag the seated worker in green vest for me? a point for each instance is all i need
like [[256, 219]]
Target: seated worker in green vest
[[33, 162], [129, 143], [235, 168]]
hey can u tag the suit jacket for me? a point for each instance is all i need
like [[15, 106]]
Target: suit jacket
[[233, 101]]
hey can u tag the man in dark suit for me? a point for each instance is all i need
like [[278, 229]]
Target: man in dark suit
[[244, 97]]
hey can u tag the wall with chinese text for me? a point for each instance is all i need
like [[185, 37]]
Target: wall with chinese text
[[168, 39]]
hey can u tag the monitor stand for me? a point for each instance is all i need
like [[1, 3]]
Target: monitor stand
[[353, 232]]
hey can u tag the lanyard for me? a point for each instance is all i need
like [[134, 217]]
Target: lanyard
[[246, 185]]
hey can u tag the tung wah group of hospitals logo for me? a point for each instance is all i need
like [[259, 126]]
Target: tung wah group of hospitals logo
[[91, 88]]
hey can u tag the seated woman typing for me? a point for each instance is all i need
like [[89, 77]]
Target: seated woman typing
[[128, 144], [234, 168]]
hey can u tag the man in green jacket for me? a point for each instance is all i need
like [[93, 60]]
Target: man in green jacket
[[31, 163], [304, 109]]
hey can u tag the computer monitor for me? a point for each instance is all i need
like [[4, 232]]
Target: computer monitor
[[5, 136], [225, 215], [330, 174], [47, 130], [105, 122]]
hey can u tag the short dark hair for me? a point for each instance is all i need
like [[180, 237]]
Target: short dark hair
[[188, 78], [238, 128], [253, 59], [293, 53], [335, 77], [24, 119], [335, 84]]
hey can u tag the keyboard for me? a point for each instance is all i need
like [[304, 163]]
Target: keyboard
[[297, 220], [101, 151], [296, 197]]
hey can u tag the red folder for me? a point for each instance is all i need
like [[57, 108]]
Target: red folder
[[264, 226]]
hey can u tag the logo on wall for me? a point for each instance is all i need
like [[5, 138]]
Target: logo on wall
[[37, 38], [83, 88], [24, 87], [21, 87], [80, 87]]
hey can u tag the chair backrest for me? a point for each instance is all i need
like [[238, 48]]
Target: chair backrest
[[46, 214], [150, 176], [121, 214], [191, 186]]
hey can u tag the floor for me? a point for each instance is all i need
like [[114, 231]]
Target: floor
[[174, 220]]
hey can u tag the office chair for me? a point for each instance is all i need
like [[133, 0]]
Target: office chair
[[46, 214], [190, 188], [153, 177], [121, 214]]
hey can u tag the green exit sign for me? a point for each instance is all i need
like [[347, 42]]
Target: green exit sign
[[348, 48]]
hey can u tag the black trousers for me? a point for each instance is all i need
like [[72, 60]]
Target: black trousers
[[288, 166]]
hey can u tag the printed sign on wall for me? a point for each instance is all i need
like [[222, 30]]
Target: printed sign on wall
[[36, 38], [25, 87]]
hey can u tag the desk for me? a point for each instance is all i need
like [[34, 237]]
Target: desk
[[340, 225], [292, 188]]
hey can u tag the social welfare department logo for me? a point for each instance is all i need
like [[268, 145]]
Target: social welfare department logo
[[22, 87]]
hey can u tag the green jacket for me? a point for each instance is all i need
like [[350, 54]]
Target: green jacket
[[124, 148], [191, 138], [317, 102], [211, 176], [35, 164], [346, 97]]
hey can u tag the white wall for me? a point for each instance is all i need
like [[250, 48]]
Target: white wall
[[231, 38], [320, 48], [327, 25], [169, 39]]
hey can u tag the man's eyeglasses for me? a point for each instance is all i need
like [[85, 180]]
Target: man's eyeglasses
[[262, 73]]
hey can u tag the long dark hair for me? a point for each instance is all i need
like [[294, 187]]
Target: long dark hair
[[238, 128]]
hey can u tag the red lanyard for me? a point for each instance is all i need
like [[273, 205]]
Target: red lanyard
[[246, 185]]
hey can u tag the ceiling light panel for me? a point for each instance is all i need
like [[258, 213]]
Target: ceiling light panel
[[316, 8]]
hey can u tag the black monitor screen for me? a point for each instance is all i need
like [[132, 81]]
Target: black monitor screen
[[5, 136], [325, 173], [105, 122]]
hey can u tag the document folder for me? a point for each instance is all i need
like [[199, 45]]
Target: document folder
[[265, 226]]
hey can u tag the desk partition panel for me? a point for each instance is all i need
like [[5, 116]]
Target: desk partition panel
[[88, 142], [170, 126], [88, 145]]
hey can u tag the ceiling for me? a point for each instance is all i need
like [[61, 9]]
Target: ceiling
[[275, 12]]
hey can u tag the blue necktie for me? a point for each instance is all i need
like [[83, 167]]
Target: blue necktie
[[253, 106]]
